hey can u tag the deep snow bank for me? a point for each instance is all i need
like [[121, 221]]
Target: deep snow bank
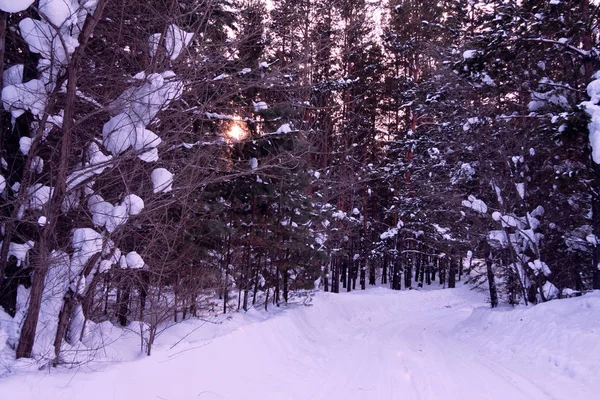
[[560, 337]]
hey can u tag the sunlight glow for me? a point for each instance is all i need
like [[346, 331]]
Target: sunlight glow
[[236, 131]]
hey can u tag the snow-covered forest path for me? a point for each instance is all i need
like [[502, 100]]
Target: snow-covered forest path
[[368, 345]]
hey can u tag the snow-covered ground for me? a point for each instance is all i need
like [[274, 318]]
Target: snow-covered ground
[[377, 344]]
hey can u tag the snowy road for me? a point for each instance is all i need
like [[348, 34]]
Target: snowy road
[[369, 345]]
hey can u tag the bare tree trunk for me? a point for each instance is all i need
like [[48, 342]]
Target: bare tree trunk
[[349, 270], [123, 307], [29, 327], [256, 281], [106, 292], [344, 271], [326, 275], [451, 273], [396, 275], [285, 275], [422, 270], [384, 271], [408, 271], [491, 280], [276, 296], [63, 318]]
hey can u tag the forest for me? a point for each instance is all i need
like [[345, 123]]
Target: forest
[[167, 159]]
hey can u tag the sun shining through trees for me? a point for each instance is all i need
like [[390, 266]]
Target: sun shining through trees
[[236, 131], [164, 161]]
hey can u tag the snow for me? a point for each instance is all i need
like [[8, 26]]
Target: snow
[[25, 145], [261, 105], [593, 109], [86, 242], [20, 97], [475, 204], [592, 239], [96, 164], [468, 54], [59, 12], [285, 128], [377, 344], [133, 260], [13, 6], [37, 164], [13, 75], [162, 180], [540, 266], [39, 195], [253, 163], [520, 189], [176, 39], [19, 251], [2, 183], [390, 233], [134, 204], [339, 215], [117, 217], [43, 39], [498, 238], [563, 341]]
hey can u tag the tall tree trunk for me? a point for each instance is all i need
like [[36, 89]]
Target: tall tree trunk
[[349, 270], [256, 281], [428, 269], [123, 307], [326, 275], [27, 337], [408, 271], [285, 278], [276, 296], [396, 275], [344, 272], [63, 317], [422, 270], [491, 280], [451, 272], [385, 269]]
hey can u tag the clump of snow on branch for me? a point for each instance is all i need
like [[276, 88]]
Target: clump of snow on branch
[[475, 204], [13, 6], [162, 180], [175, 40]]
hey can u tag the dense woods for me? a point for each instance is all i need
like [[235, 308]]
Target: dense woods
[[166, 159]]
